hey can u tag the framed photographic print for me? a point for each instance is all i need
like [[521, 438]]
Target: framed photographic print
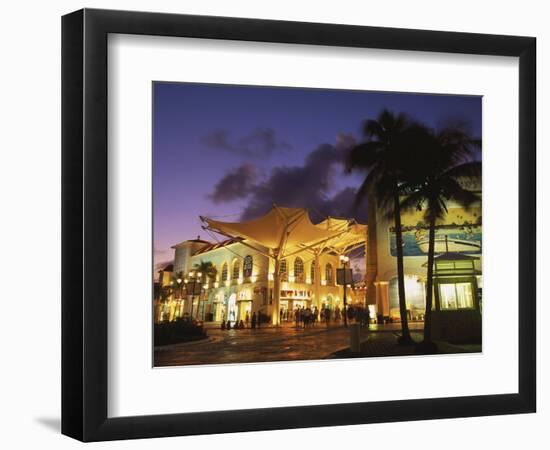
[[273, 224]]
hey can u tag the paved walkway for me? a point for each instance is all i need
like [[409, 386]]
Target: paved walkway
[[285, 343]]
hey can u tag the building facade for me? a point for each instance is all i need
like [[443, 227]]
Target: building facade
[[458, 277], [251, 266], [270, 267], [244, 283]]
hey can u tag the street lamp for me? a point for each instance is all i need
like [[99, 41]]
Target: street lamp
[[178, 304], [195, 279], [344, 260]]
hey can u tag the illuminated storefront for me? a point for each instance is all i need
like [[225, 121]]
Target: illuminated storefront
[[458, 261], [270, 266]]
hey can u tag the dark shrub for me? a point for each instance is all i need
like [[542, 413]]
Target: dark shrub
[[178, 331]]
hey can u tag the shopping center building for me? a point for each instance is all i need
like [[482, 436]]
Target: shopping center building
[[248, 255], [458, 278]]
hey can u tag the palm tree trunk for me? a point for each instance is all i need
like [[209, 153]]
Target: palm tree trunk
[[406, 335], [429, 283]]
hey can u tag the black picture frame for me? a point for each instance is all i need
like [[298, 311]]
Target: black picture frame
[[84, 224]]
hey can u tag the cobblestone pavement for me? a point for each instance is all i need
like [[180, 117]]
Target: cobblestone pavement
[[285, 343]]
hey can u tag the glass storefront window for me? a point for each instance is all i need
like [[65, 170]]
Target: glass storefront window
[[283, 271], [456, 296], [415, 293], [298, 270]]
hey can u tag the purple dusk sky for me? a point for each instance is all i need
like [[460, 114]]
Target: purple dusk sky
[[231, 151]]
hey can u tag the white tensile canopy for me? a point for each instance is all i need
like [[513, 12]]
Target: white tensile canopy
[[287, 231], [281, 228], [352, 234]]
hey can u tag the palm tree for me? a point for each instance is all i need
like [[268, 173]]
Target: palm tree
[[445, 158], [176, 285], [381, 155], [164, 297], [209, 272]]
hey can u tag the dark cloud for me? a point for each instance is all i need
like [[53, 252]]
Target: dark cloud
[[345, 141], [307, 186], [238, 183], [295, 186], [261, 142], [342, 205]]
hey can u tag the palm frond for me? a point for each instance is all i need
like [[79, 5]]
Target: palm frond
[[454, 191], [363, 155], [372, 128], [471, 169], [413, 201]]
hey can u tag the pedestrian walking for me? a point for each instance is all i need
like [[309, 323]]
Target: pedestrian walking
[[307, 317], [254, 321]]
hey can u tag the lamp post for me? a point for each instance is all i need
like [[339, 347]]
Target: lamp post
[[344, 260], [169, 300], [195, 279], [180, 289]]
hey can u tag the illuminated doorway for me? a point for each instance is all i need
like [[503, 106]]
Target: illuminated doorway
[[232, 308], [283, 311], [245, 309]]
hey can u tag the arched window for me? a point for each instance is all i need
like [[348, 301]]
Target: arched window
[[236, 270], [283, 271], [224, 272], [329, 276], [247, 266], [298, 270], [312, 272]]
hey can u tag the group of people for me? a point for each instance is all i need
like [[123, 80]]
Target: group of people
[[302, 317], [240, 324], [306, 316]]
